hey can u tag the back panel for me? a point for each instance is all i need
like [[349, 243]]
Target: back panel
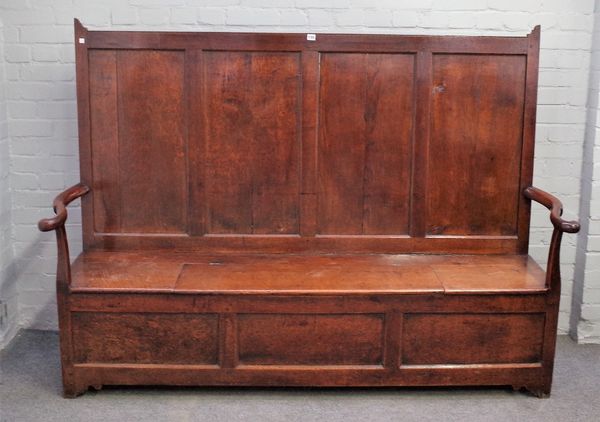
[[366, 113], [252, 168], [138, 141], [475, 146], [272, 143]]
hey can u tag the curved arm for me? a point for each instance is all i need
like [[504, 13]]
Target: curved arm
[[560, 226], [555, 206], [60, 207], [63, 266]]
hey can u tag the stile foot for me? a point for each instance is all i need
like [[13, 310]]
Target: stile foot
[[72, 391], [539, 392]]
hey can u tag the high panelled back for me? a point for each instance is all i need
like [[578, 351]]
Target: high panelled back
[[272, 143]]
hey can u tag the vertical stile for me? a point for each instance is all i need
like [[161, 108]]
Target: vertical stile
[[228, 341], [531, 83], [196, 142], [421, 138], [83, 119], [393, 340], [310, 98]]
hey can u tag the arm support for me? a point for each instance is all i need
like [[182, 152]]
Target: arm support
[[560, 226], [57, 223]]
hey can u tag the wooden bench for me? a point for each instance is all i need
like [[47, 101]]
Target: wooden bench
[[270, 210]]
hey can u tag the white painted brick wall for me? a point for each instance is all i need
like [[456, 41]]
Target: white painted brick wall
[[41, 109]]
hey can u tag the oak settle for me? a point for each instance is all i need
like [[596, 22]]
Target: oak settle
[[263, 209]]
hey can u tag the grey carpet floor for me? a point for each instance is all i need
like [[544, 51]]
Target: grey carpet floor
[[30, 390]]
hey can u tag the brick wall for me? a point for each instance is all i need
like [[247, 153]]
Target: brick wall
[[40, 92]]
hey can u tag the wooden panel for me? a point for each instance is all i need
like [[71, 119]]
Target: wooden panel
[[302, 339], [152, 150], [145, 338], [365, 132], [335, 275], [129, 271], [305, 274], [491, 277], [105, 140], [343, 88], [441, 339], [253, 142], [475, 146]]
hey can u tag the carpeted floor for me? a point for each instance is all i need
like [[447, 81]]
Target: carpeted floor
[[30, 391]]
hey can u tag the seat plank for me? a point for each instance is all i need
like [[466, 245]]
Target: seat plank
[[491, 279], [168, 271], [124, 271]]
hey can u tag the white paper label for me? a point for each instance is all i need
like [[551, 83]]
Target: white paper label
[[311, 37]]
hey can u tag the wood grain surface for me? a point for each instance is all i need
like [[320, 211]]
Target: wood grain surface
[[310, 339], [365, 136], [445, 339], [145, 338], [263, 143], [476, 142], [253, 142], [260, 274], [138, 141]]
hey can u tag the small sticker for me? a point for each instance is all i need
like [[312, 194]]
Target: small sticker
[[81, 40], [311, 37]]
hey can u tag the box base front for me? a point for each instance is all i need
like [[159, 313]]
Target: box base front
[[308, 340]]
